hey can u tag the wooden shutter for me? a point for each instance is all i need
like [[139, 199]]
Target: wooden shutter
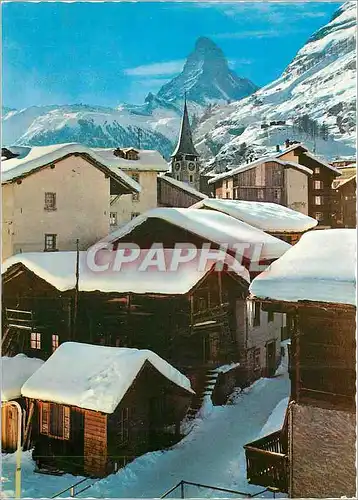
[[66, 422], [44, 418]]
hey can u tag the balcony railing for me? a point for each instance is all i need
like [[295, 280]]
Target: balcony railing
[[266, 462]]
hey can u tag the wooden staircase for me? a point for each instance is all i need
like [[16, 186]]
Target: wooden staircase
[[206, 389]]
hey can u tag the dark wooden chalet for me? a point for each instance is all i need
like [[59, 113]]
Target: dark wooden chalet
[[96, 408], [175, 193], [345, 200], [314, 454], [201, 327]]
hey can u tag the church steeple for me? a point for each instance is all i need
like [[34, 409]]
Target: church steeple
[[185, 144], [185, 158]]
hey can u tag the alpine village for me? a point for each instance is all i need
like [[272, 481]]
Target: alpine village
[[142, 354]]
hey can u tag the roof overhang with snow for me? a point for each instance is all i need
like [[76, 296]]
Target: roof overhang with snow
[[269, 217], [216, 227], [40, 157], [182, 186], [15, 371], [150, 272], [95, 377], [321, 267]]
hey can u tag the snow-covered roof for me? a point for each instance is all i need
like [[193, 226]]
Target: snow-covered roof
[[269, 217], [216, 227], [183, 186], [260, 161], [39, 156], [321, 161], [341, 181], [94, 377], [58, 269], [148, 159], [321, 267], [14, 373]]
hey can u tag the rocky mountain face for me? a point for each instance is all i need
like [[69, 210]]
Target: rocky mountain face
[[152, 125], [206, 78], [313, 101]]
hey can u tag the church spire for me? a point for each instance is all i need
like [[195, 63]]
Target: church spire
[[185, 144]]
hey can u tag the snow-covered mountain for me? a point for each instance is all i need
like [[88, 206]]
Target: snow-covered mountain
[[206, 78], [155, 123], [313, 101]]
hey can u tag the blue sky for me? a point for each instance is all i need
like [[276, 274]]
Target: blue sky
[[107, 53]]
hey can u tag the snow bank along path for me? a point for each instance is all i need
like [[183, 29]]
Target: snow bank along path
[[211, 454]]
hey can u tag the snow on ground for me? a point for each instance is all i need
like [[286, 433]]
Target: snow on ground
[[212, 454], [276, 419]]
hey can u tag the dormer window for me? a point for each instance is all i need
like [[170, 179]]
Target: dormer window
[[132, 154]]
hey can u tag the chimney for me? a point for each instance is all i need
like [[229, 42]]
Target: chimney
[[277, 148], [287, 143]]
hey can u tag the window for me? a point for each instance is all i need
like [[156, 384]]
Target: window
[[319, 216], [50, 201], [50, 242], [256, 313], [135, 177], [191, 178], [318, 184], [317, 170], [318, 200], [270, 316], [257, 361], [55, 342], [227, 195], [123, 432], [134, 215], [113, 218], [35, 340], [55, 420]]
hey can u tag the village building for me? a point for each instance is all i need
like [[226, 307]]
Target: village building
[[277, 220], [178, 194], [143, 166], [345, 198], [97, 408], [48, 190], [314, 455], [294, 177], [344, 161], [185, 164], [207, 322], [14, 373]]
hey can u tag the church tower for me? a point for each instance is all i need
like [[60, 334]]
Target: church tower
[[185, 159]]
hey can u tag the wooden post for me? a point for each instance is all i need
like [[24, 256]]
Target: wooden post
[[28, 425], [75, 309]]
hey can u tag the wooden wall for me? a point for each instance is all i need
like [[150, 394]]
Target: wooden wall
[[173, 196], [95, 443]]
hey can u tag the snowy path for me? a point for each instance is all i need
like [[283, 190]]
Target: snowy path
[[211, 454]]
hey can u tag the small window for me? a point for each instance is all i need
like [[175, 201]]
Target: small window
[[319, 216], [50, 202], [113, 218], [191, 178], [50, 242], [55, 420], [123, 428], [257, 360], [317, 170], [318, 184], [55, 342], [228, 195], [256, 313], [134, 215], [318, 200], [270, 316], [35, 340]]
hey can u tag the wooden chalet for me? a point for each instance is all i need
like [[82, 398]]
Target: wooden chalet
[[15, 371], [175, 193], [95, 408], [279, 221], [314, 454], [345, 198]]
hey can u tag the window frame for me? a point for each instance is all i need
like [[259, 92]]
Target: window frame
[[50, 204], [124, 427], [113, 216], [53, 248], [318, 200], [55, 342], [319, 184], [317, 170], [35, 342], [47, 418]]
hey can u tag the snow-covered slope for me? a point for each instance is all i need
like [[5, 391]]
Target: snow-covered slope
[[206, 78], [155, 123], [315, 98]]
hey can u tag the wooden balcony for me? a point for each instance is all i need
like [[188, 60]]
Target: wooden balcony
[[266, 462]]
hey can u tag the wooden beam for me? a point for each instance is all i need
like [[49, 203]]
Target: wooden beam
[[28, 425]]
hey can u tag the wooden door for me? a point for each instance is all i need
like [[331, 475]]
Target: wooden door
[[9, 423], [271, 358]]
